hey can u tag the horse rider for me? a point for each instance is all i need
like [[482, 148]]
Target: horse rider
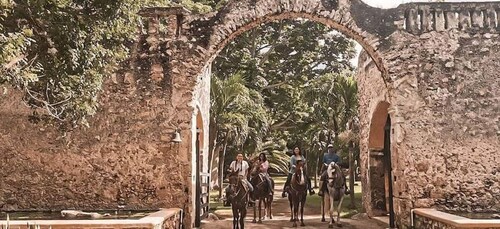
[[242, 167], [329, 157], [264, 166], [297, 155]]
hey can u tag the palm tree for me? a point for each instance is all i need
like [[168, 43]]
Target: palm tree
[[237, 118]]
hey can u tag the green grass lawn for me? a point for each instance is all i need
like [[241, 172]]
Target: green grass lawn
[[312, 201]]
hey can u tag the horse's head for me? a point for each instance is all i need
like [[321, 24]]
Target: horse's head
[[299, 172], [255, 167], [234, 180], [333, 169], [335, 174]]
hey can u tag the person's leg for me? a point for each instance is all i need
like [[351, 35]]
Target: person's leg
[[310, 187], [250, 186], [226, 200], [347, 191], [287, 183], [323, 183], [250, 190], [269, 182]]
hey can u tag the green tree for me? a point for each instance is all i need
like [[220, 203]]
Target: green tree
[[281, 61], [60, 51], [237, 117]]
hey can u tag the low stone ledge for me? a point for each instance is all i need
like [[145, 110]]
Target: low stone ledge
[[165, 218], [432, 218]]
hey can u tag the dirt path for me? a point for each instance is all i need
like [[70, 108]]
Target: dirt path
[[281, 217]]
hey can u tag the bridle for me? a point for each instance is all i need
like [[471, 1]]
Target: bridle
[[297, 175], [236, 190], [336, 177]]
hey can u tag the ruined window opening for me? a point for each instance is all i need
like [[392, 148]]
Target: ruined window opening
[[495, 13], [446, 23], [420, 19]]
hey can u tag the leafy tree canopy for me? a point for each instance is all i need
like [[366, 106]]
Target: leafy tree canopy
[[60, 51]]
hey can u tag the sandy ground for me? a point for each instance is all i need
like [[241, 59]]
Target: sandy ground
[[281, 219]]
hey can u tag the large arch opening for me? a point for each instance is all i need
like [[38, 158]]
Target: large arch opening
[[227, 31], [380, 164]]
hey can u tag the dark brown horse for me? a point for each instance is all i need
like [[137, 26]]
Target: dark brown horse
[[237, 194], [261, 192], [297, 194]]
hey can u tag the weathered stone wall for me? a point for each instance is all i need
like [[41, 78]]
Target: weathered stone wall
[[125, 157], [442, 86], [372, 91], [445, 119]]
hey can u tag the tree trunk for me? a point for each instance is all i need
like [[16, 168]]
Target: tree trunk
[[221, 168], [316, 173], [214, 172], [212, 151], [351, 174]]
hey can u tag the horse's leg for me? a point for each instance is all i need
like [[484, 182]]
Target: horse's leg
[[295, 212], [291, 207], [260, 210], [270, 203], [254, 213], [303, 202], [322, 201], [338, 210], [330, 211], [242, 217], [235, 216]]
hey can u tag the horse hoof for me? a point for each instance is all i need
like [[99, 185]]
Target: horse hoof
[[330, 226], [291, 220], [254, 221], [294, 225], [323, 220], [302, 224], [339, 225], [260, 221]]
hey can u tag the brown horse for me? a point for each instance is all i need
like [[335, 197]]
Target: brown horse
[[261, 192], [237, 194], [297, 194]]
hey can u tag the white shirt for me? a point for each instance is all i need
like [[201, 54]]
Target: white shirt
[[242, 167]]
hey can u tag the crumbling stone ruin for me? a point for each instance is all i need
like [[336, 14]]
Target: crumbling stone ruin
[[431, 67]]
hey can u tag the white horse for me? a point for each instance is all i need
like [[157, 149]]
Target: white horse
[[336, 191]]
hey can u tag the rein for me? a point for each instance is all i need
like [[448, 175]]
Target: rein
[[336, 179], [239, 188]]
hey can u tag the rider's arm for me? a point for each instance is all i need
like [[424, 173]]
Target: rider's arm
[[264, 166], [293, 162], [231, 166]]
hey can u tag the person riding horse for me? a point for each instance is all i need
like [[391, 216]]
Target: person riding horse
[[264, 166], [297, 155], [241, 167], [329, 157]]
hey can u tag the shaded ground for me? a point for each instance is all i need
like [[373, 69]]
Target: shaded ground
[[281, 216]]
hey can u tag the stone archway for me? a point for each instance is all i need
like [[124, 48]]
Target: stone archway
[[230, 23], [443, 96], [378, 171]]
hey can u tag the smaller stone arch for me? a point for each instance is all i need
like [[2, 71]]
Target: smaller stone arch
[[377, 124]]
